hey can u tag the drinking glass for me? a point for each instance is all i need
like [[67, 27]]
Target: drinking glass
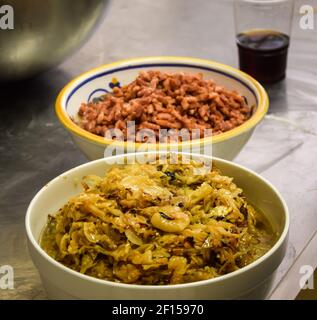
[[263, 29]]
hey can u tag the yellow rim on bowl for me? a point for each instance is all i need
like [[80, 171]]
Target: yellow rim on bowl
[[262, 107]]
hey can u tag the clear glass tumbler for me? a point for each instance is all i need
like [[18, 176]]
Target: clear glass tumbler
[[263, 29]]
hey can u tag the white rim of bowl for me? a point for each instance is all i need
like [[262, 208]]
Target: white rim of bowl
[[59, 265]]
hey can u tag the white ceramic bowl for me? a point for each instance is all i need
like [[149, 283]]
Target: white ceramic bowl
[[252, 281], [98, 81]]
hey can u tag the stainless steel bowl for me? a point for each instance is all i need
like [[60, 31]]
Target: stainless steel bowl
[[45, 32]]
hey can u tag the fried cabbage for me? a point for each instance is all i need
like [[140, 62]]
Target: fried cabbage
[[154, 224]]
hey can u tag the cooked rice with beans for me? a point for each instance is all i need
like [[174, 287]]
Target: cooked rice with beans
[[159, 100], [153, 224]]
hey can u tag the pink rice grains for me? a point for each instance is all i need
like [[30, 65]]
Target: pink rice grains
[[159, 100]]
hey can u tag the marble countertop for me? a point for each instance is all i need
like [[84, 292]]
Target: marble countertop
[[35, 148]]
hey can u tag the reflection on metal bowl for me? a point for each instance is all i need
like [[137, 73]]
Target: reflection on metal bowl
[[45, 32]]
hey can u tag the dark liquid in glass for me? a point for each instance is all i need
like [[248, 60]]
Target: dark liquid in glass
[[263, 54]]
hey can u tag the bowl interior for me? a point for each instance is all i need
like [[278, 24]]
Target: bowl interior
[[57, 192], [101, 80]]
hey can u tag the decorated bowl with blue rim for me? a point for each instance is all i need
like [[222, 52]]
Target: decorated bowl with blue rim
[[92, 84]]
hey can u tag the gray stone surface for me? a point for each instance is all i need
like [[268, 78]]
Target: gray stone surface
[[34, 148]]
